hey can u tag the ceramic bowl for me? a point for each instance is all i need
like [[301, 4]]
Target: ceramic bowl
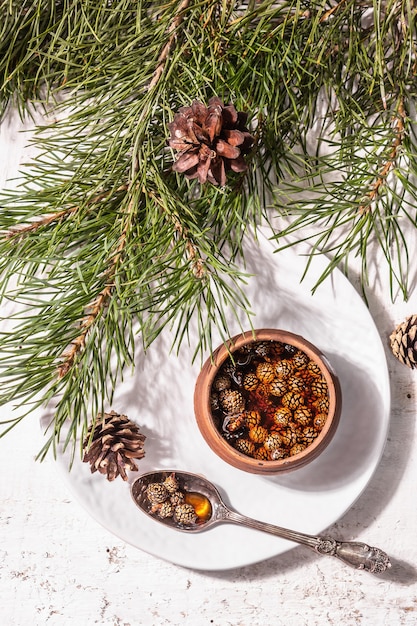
[[254, 429]]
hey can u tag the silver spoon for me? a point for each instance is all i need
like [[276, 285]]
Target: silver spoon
[[213, 510]]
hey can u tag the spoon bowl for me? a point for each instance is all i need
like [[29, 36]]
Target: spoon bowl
[[196, 488], [191, 483]]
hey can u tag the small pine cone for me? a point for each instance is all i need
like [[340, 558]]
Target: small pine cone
[[210, 140], [303, 416], [166, 509], [319, 388], [177, 498], [250, 381], [258, 434], [262, 348], [265, 372], [185, 514], [273, 442], [222, 382], [232, 402], [288, 437], [252, 418], [214, 401], [278, 387], [278, 453], [296, 383], [309, 434], [313, 368], [319, 421], [403, 342], [297, 448], [282, 416], [156, 493], [171, 483], [321, 405], [300, 360], [283, 368], [111, 445], [245, 446], [292, 399]]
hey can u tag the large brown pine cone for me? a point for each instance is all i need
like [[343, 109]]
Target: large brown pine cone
[[403, 342], [211, 141], [111, 444]]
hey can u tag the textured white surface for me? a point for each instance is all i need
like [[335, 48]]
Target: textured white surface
[[59, 567]]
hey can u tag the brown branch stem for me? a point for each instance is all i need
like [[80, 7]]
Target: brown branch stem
[[330, 12], [17, 232], [365, 207], [197, 262], [170, 44], [98, 304]]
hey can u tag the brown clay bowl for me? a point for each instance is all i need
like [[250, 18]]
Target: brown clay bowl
[[229, 355]]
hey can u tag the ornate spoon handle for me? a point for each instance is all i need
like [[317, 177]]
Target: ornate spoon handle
[[354, 553]]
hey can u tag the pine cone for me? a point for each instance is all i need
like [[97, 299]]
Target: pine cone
[[404, 342], [211, 141], [111, 444]]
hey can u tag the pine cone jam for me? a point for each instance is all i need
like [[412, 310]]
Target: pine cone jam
[[271, 402]]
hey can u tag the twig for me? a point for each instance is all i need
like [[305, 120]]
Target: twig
[[170, 44], [17, 232], [198, 266], [330, 12], [98, 304], [78, 343], [365, 207]]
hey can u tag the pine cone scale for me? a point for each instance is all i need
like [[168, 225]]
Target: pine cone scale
[[213, 124], [133, 454], [238, 165], [231, 117], [203, 170], [186, 162], [217, 173], [235, 137], [226, 150]]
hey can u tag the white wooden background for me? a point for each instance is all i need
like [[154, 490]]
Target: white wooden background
[[59, 567]]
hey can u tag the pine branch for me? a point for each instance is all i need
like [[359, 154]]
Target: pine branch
[[17, 232], [390, 163], [96, 307], [170, 44], [107, 244], [197, 264]]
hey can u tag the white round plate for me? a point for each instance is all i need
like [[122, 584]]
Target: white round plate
[[159, 397]]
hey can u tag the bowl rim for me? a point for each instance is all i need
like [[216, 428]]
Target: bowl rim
[[203, 412]]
